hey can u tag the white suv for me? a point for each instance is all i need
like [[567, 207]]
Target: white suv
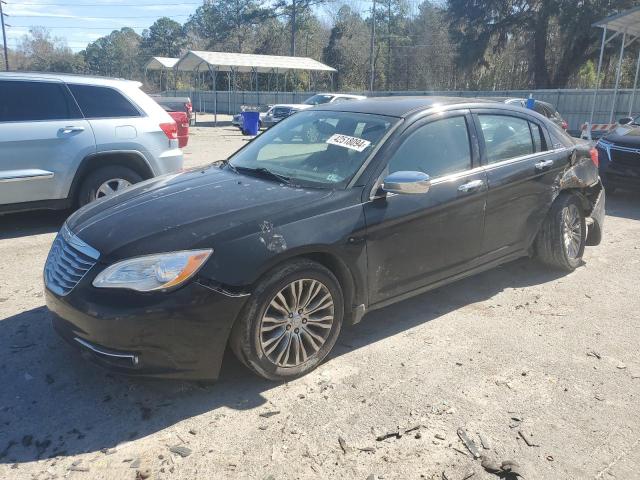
[[67, 140]]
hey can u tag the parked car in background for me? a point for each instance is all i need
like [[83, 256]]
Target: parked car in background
[[298, 234], [67, 140], [543, 108], [176, 104], [237, 120], [619, 154], [182, 122], [280, 112], [322, 98]]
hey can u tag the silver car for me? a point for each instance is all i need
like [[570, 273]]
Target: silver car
[[67, 140]]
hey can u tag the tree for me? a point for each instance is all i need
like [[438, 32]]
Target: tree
[[165, 38], [481, 28], [117, 54], [39, 51]]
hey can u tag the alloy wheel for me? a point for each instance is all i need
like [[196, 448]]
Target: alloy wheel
[[112, 186], [297, 322], [572, 230]]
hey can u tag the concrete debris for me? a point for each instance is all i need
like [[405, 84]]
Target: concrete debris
[[508, 469], [470, 444], [621, 366], [180, 450], [193, 431], [527, 439], [398, 433], [343, 445], [439, 436], [484, 441], [594, 354], [270, 414], [515, 422], [135, 463], [143, 474]]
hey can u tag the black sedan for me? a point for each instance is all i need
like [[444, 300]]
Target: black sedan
[[336, 211], [619, 154]]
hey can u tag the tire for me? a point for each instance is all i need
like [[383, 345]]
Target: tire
[[265, 351], [553, 246], [92, 182]]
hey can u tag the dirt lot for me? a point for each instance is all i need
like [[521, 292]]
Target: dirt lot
[[512, 353]]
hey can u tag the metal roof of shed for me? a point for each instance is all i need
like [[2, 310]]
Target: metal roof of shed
[[628, 20], [161, 63], [196, 61]]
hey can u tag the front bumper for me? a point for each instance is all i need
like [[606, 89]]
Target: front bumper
[[181, 334]]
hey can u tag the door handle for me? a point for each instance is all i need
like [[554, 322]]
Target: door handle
[[546, 165], [72, 129], [470, 186]]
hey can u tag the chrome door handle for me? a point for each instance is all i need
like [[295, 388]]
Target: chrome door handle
[[544, 165], [72, 129], [472, 185]]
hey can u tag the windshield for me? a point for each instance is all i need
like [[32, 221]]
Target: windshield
[[318, 99], [315, 148]]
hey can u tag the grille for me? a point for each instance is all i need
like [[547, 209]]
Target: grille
[[625, 157], [68, 261]]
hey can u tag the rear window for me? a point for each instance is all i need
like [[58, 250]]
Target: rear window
[[23, 101], [102, 102]]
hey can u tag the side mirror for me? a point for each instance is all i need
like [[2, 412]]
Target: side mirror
[[411, 183], [625, 120]]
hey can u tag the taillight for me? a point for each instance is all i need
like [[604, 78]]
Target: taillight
[[565, 125], [189, 107], [170, 130], [594, 157]]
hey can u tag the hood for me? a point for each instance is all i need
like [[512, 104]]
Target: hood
[[193, 209], [625, 136]]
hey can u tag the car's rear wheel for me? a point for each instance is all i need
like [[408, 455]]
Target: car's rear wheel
[[562, 237], [106, 181], [291, 321]]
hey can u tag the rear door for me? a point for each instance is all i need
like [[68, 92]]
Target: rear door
[[43, 139], [522, 166], [416, 240]]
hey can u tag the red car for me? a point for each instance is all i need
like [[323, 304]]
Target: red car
[[182, 121]]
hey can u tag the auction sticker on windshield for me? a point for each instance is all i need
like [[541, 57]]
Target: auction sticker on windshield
[[353, 143]]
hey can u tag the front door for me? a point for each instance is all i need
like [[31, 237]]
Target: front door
[[43, 138], [417, 240]]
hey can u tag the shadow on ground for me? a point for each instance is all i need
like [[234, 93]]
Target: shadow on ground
[[16, 225], [52, 403], [623, 204]]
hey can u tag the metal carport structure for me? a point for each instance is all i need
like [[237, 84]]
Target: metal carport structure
[[627, 25], [161, 64], [234, 63]]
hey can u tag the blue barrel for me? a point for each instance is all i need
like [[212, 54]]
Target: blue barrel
[[250, 121]]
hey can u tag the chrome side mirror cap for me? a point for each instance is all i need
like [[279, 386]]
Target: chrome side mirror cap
[[412, 183]]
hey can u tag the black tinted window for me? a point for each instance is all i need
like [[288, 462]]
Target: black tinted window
[[539, 144], [22, 101], [505, 137], [102, 102], [438, 148]]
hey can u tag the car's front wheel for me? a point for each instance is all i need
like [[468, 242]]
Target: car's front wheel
[[562, 237], [291, 321]]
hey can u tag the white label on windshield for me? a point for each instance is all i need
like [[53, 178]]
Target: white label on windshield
[[352, 143]]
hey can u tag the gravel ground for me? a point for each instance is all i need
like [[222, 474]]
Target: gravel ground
[[515, 353]]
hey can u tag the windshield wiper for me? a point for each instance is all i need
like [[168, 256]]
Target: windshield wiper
[[265, 172]]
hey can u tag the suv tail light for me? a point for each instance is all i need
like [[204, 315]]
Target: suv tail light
[[565, 125], [594, 157], [189, 107], [170, 130]]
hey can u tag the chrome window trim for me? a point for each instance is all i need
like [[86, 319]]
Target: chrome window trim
[[522, 158], [23, 175]]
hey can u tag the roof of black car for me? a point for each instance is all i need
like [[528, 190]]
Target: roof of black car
[[398, 106]]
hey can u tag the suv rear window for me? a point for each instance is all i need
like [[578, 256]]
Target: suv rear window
[[102, 102], [26, 101]]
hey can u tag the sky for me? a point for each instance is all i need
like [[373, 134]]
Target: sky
[[82, 21]]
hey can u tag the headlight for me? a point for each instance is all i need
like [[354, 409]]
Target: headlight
[[153, 272]]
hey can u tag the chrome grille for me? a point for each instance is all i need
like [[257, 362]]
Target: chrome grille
[[68, 261]]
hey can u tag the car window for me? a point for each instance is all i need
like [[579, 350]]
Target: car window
[[318, 99], [539, 145], [102, 102], [319, 148], [505, 137], [438, 148], [23, 101]]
